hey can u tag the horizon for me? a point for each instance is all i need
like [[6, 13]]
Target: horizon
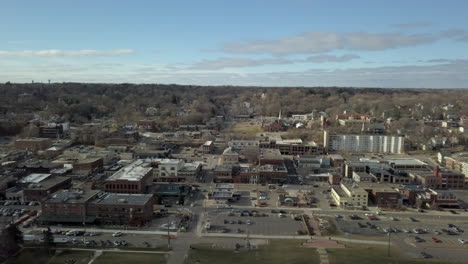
[[301, 43]]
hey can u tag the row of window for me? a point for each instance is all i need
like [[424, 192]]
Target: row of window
[[122, 186]]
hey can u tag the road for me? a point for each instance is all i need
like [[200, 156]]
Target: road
[[265, 228]]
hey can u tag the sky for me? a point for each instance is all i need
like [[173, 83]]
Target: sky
[[360, 43]]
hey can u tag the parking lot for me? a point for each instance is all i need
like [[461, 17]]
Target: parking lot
[[11, 211], [405, 229], [261, 222], [106, 239]]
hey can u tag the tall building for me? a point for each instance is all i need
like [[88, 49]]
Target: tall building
[[364, 143]]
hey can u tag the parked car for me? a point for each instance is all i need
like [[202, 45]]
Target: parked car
[[462, 241], [436, 240], [418, 239], [425, 255]]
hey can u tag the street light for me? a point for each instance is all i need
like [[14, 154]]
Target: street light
[[388, 248]]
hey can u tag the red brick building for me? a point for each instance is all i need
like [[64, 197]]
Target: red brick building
[[134, 178]]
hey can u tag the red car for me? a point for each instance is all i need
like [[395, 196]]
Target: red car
[[436, 240]]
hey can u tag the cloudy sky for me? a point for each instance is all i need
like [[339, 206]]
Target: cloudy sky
[[398, 43]]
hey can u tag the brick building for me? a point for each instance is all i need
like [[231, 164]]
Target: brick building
[[270, 156], [88, 165], [439, 178], [97, 207], [33, 144], [41, 190], [134, 178]]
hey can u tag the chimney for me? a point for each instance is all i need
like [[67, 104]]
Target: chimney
[[436, 171]]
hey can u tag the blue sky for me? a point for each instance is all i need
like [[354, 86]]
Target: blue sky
[[282, 43]]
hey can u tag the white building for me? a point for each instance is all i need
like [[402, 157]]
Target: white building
[[241, 144], [349, 196], [174, 170], [364, 143]]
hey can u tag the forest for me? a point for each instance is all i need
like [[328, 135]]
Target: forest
[[80, 103]]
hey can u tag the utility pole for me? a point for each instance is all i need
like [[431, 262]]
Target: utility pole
[[84, 228], [168, 235], [388, 248]]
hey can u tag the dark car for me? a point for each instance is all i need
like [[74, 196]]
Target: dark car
[[425, 255], [418, 239]]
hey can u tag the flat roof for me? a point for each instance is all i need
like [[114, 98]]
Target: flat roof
[[354, 188], [123, 198], [35, 178], [290, 141], [224, 186], [48, 183], [380, 187], [408, 162], [72, 196], [133, 172], [208, 143], [32, 139], [270, 154]]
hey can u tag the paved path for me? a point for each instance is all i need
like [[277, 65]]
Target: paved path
[[97, 253], [323, 254]]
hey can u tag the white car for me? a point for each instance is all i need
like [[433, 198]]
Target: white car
[[117, 234], [71, 233], [462, 241]]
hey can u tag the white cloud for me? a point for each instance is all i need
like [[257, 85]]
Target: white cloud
[[331, 58], [445, 74], [316, 42], [222, 63], [65, 53]]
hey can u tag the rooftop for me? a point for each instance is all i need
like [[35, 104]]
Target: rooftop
[[270, 154], [289, 141], [48, 183], [406, 162], [72, 196], [133, 172], [122, 198], [33, 139], [380, 187], [224, 186], [35, 178]]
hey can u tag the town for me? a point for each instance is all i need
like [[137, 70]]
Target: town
[[238, 172]]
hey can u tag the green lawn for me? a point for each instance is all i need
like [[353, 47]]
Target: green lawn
[[364, 254], [277, 252], [133, 258], [39, 256]]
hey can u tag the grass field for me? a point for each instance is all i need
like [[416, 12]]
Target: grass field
[[130, 258], [364, 254], [39, 256], [276, 252], [246, 129]]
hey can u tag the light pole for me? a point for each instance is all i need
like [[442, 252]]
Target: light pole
[[388, 248], [168, 235]]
